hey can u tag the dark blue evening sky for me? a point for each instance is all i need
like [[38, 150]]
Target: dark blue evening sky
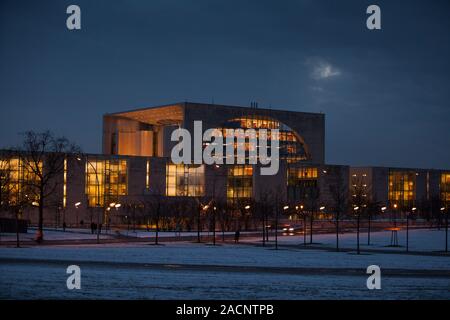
[[385, 93]]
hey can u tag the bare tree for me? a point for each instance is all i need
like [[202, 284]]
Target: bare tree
[[223, 217], [312, 202], [155, 206], [359, 202], [339, 206], [263, 210], [43, 156]]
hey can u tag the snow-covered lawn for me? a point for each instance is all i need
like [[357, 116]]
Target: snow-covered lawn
[[419, 240], [240, 255], [120, 271], [49, 282]]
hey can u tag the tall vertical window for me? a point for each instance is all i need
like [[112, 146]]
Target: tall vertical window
[[402, 187], [185, 180], [445, 187], [239, 182], [106, 180], [147, 175], [300, 182]]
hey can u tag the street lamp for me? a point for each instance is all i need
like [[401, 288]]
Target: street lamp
[[77, 205], [395, 215], [357, 228], [408, 214], [304, 223], [446, 228]]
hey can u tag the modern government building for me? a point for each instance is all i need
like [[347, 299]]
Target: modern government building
[[136, 165]]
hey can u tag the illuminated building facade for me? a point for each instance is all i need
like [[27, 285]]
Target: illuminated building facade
[[135, 165], [403, 188]]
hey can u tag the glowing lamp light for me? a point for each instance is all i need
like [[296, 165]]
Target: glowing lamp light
[[356, 208], [414, 209], [118, 205], [77, 204], [395, 206], [442, 209], [247, 207], [383, 209], [35, 204], [322, 208], [286, 207], [112, 204]]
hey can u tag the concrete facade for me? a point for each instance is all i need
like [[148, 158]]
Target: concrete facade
[[146, 132]]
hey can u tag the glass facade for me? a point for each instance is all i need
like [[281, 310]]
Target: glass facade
[[300, 182], [291, 147], [106, 180], [402, 187], [185, 180], [18, 181], [239, 182], [445, 188]]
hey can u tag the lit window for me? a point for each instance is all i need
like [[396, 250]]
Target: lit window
[[106, 180], [239, 182], [301, 182], [185, 180], [402, 187]]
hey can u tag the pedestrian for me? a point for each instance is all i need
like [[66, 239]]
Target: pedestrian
[[92, 227], [236, 236], [64, 226]]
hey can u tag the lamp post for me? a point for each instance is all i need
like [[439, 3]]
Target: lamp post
[[77, 205], [107, 212], [446, 228], [357, 229], [201, 208], [408, 214], [304, 224], [214, 225], [304, 221], [395, 215]]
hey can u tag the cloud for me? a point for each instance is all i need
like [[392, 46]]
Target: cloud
[[323, 70]]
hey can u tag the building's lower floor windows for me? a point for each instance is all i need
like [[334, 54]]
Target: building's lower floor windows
[[240, 182], [185, 180], [106, 181]]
